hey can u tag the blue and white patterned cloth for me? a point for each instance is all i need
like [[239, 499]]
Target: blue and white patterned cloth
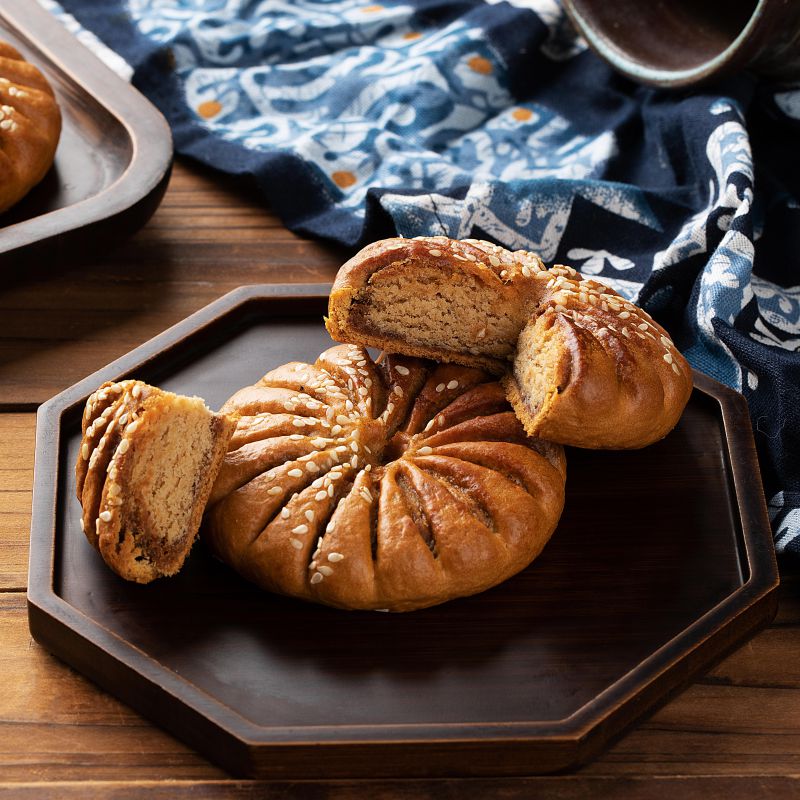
[[358, 120]]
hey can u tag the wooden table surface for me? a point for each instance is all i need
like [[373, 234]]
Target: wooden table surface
[[735, 733]]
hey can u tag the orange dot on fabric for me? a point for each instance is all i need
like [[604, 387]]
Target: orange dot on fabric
[[522, 114], [343, 179], [372, 9], [480, 64], [210, 108], [412, 35]]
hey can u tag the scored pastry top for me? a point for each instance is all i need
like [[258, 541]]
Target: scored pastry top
[[392, 485]]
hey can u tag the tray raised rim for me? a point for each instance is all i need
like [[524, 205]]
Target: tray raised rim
[[741, 613], [148, 169]]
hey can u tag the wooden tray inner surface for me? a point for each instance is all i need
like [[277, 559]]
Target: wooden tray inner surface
[[649, 541]]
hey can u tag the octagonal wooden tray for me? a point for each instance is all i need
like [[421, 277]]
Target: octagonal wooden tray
[[113, 160], [662, 562]]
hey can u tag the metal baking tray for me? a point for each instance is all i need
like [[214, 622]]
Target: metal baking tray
[[113, 160]]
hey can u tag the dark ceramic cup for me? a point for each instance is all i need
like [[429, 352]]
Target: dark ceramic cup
[[676, 43]]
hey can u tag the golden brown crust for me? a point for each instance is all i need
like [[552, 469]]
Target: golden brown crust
[[30, 126], [100, 409], [401, 484], [582, 357], [503, 277], [147, 462], [618, 381]]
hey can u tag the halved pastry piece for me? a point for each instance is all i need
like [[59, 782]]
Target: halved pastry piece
[[147, 463]]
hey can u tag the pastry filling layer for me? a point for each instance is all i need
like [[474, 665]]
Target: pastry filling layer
[[168, 471], [422, 309]]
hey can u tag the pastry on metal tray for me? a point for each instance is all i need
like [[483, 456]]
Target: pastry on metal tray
[[30, 126]]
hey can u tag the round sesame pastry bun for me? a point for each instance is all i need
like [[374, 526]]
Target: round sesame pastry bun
[[389, 486], [582, 366], [147, 462], [30, 126]]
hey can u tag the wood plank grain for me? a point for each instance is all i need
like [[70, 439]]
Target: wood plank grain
[[57, 725], [17, 435], [550, 788], [738, 730], [742, 718], [62, 321]]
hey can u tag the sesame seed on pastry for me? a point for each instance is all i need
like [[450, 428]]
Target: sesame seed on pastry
[[146, 465], [581, 365], [389, 486]]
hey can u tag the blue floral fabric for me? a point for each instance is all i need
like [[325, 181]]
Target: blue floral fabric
[[359, 120]]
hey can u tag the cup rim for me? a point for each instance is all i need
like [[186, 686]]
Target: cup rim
[[738, 51]]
